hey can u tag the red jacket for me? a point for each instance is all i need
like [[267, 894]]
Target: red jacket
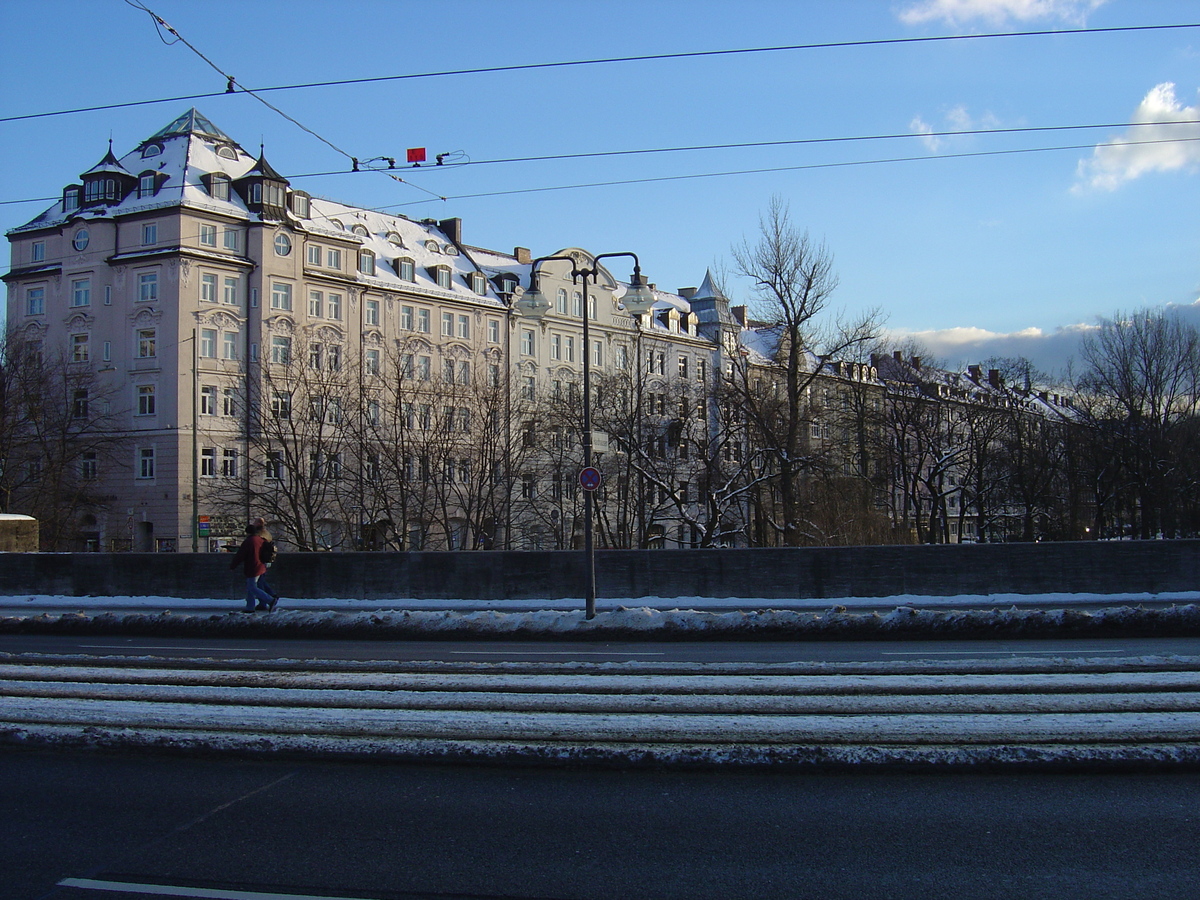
[[248, 556]]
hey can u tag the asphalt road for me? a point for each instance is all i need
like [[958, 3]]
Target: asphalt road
[[592, 651], [297, 829]]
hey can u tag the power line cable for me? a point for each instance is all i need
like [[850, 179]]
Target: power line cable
[[485, 70]]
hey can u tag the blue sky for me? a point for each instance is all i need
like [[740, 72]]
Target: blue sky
[[1013, 251]]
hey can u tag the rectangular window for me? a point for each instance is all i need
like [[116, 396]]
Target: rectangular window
[[683, 367], [333, 306], [87, 465], [424, 365], [281, 296], [149, 234], [464, 327], [281, 405], [597, 353], [35, 301], [146, 462], [314, 356], [556, 346], [80, 351], [406, 270], [229, 345], [334, 355], [208, 400], [274, 465], [569, 349], [701, 369], [464, 371], [208, 235], [447, 324], [228, 402], [81, 292], [281, 349], [229, 463], [406, 318], [448, 371], [107, 352], [493, 328], [37, 251], [315, 252], [528, 387], [146, 185], [230, 239], [147, 287], [208, 462], [372, 312], [79, 404], [371, 360], [528, 337], [145, 345], [366, 262], [208, 288], [577, 305], [423, 321], [145, 400], [316, 304], [231, 292], [560, 301], [443, 277], [208, 343], [334, 259]]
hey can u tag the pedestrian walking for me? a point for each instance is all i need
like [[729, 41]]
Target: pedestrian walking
[[267, 553], [248, 556]]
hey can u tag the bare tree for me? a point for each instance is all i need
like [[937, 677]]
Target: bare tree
[[793, 281]]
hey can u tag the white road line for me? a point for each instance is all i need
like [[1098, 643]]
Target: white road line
[[159, 647], [556, 653], [998, 652], [169, 890]]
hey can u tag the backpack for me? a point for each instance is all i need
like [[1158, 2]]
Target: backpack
[[266, 553]]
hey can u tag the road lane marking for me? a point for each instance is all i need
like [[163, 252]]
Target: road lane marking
[[157, 647], [993, 652], [555, 653], [170, 890]]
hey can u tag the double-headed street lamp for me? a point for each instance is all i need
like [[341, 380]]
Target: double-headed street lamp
[[637, 301]]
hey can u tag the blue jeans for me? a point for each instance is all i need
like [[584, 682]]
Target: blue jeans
[[255, 593]]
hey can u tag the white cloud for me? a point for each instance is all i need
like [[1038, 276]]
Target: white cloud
[[955, 119], [997, 12], [1129, 156]]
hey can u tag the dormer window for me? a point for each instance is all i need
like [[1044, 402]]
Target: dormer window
[[227, 152], [394, 238], [151, 150], [405, 269], [361, 230], [366, 262], [507, 284], [147, 184], [300, 204], [71, 199], [97, 190], [441, 274], [217, 184], [478, 283]]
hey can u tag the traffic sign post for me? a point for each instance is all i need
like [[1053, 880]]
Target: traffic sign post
[[590, 478]]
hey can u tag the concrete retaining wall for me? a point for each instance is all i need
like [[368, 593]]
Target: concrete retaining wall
[[818, 572]]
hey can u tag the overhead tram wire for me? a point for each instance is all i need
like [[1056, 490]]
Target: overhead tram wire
[[798, 168], [693, 54], [231, 84]]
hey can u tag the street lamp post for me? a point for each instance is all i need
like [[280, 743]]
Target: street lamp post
[[534, 305]]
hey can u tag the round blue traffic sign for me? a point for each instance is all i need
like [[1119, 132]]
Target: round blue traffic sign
[[590, 478]]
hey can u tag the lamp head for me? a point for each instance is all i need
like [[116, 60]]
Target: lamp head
[[639, 299], [533, 304]]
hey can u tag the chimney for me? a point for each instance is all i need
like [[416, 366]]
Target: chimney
[[688, 293], [994, 379], [976, 373], [452, 229], [897, 356], [523, 256], [875, 360], [916, 362], [739, 313]]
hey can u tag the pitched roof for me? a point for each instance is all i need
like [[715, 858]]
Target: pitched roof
[[191, 122]]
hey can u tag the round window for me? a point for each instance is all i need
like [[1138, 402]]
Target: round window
[[283, 244], [81, 239]]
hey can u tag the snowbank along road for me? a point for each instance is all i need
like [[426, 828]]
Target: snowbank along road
[[1011, 712]]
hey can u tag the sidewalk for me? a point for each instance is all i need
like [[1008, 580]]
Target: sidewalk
[[687, 618]]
